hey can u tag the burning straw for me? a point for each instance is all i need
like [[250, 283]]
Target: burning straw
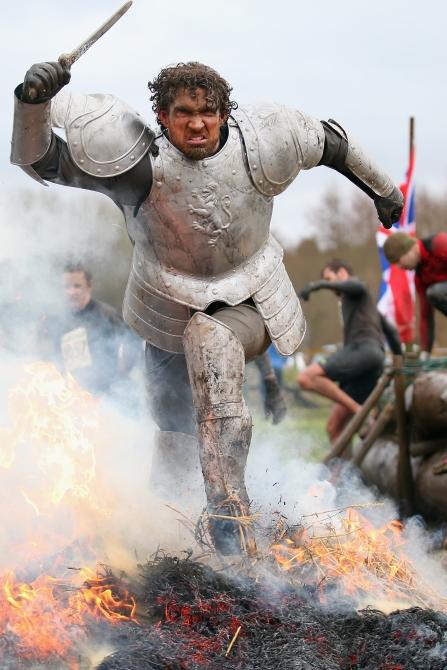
[[342, 549]]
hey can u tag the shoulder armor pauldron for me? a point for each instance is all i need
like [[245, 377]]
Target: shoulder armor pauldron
[[105, 136], [279, 142]]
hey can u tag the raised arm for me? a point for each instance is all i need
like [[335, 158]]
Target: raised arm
[[97, 127]]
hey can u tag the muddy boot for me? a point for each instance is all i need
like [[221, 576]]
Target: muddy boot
[[216, 361]]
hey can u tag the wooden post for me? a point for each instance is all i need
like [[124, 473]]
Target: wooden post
[[375, 432], [404, 472], [354, 424]]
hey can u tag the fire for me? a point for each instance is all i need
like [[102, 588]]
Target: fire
[[47, 616], [34, 615], [98, 597], [358, 558], [56, 421]]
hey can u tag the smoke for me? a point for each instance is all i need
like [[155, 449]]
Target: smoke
[[121, 519], [41, 230]]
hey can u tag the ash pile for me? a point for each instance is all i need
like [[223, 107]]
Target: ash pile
[[203, 619]]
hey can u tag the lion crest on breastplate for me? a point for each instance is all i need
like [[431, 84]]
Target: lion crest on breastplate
[[210, 211]]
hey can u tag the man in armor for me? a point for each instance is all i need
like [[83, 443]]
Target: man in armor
[[207, 289]]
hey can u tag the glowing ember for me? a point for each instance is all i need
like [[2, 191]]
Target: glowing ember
[[57, 421], [357, 557]]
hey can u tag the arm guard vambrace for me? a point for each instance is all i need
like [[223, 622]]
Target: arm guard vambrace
[[341, 154], [31, 135]]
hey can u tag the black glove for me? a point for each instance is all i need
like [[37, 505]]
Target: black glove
[[390, 208], [274, 404], [306, 291], [43, 81]]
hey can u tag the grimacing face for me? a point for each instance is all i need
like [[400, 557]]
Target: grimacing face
[[78, 290], [193, 127]]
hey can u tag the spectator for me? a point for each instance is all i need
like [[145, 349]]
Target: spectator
[[89, 339], [359, 363], [429, 258]]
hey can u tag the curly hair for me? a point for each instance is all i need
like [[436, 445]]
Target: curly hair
[[190, 76]]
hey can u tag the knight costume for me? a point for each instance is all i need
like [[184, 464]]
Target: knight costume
[[207, 290]]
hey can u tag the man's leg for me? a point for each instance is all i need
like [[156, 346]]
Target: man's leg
[[216, 349], [338, 418], [175, 463], [314, 378], [274, 403]]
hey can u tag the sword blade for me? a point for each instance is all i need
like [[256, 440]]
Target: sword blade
[[68, 59]]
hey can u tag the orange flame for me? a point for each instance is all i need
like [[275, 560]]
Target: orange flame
[[47, 618], [97, 597], [358, 557], [57, 420], [32, 613]]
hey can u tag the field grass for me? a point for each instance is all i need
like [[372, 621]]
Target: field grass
[[301, 433]]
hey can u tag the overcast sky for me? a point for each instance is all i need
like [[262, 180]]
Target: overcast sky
[[369, 65]]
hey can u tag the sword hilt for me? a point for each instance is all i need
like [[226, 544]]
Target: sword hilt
[[67, 59]]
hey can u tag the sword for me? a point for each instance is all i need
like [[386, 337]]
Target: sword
[[67, 59]]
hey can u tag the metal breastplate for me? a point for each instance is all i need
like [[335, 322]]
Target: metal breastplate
[[203, 218], [202, 236]]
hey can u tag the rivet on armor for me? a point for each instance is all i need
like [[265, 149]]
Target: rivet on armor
[[252, 148], [140, 264], [260, 181], [233, 171], [82, 160], [159, 184], [117, 167], [75, 144], [178, 178], [167, 284], [143, 144], [98, 170], [255, 167], [132, 158], [204, 164]]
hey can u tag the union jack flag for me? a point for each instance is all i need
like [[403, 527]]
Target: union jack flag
[[396, 299]]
